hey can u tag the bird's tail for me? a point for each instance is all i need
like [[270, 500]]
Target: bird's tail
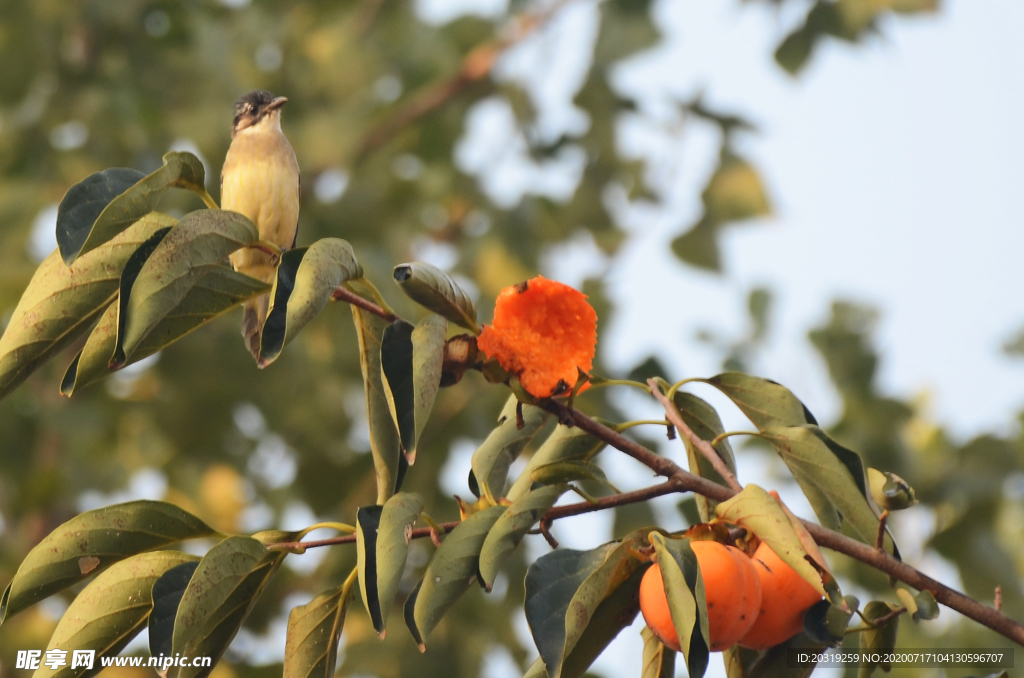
[[254, 312]]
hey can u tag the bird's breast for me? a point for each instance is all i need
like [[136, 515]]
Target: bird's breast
[[260, 179]]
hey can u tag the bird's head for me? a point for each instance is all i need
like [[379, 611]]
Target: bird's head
[[256, 107]]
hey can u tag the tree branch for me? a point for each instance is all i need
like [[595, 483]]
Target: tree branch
[[670, 487], [680, 480], [476, 66], [703, 446], [880, 560]]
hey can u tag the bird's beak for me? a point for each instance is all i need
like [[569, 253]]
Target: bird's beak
[[276, 103]]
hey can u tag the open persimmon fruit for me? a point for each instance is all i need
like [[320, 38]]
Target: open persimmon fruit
[[731, 587], [785, 598]]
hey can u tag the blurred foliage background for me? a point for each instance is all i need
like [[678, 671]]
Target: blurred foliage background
[[378, 106]]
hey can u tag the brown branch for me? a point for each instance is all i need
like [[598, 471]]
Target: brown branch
[[703, 446], [680, 480], [880, 560], [345, 294], [545, 529], [476, 66], [885, 619], [553, 514]]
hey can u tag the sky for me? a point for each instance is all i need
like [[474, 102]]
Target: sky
[[891, 167]]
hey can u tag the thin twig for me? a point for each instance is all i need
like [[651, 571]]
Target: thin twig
[[879, 540], [345, 294], [999, 598], [709, 453], [545, 529], [885, 619], [475, 67]]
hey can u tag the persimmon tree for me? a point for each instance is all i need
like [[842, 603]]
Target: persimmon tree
[[127, 281], [382, 100]]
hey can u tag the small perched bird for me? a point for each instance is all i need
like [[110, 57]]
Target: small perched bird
[[260, 179]]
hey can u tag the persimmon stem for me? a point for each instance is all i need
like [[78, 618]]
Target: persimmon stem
[[707, 450], [728, 434], [600, 382], [626, 425], [345, 294], [340, 527], [206, 197], [671, 391], [268, 247]]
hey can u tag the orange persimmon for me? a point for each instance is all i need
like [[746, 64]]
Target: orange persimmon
[[785, 598], [731, 588]]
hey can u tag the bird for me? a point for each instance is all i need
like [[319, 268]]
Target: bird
[[260, 179]]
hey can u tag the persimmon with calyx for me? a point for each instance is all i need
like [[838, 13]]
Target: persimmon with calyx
[[785, 598], [731, 587]]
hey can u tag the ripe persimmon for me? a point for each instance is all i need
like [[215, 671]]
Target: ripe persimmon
[[785, 598], [731, 587]]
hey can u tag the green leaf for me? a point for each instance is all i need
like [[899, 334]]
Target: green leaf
[[200, 242], [428, 344], [396, 375], [825, 623], [450, 573], [384, 441], [565, 592], [927, 607], [889, 491], [613, 614], [433, 289], [832, 470], [568, 471], [879, 640], [699, 246], [306, 278], [491, 461], [512, 526], [167, 593], [314, 629], [658, 660], [110, 611], [218, 598], [779, 662], [93, 541], [83, 204], [564, 444], [766, 403], [703, 420], [684, 588], [735, 192], [216, 293], [382, 546], [764, 516], [180, 169], [61, 302]]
